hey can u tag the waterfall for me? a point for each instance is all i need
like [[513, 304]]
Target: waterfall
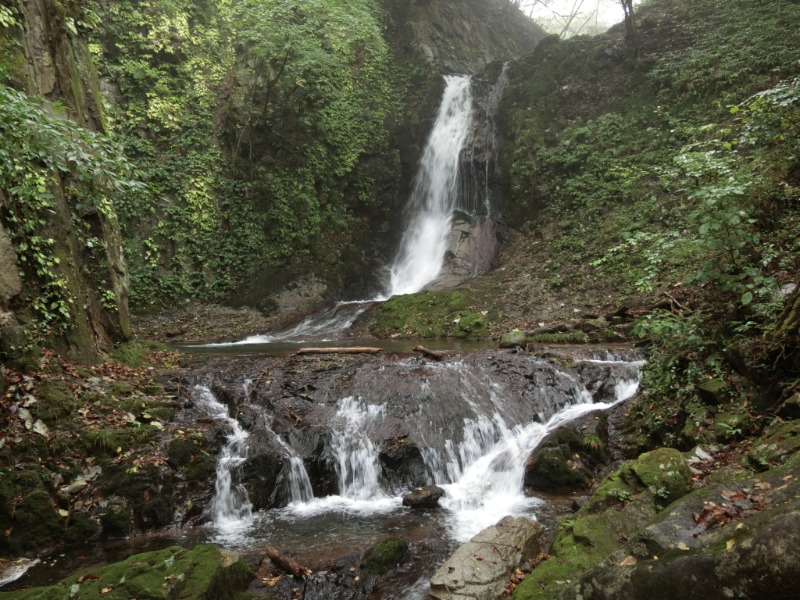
[[435, 193], [296, 479], [356, 457], [231, 508]]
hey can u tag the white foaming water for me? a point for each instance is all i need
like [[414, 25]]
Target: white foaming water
[[320, 327], [356, 457], [435, 193], [297, 482], [231, 509]]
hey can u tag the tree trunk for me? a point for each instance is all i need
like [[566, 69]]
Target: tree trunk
[[352, 350]]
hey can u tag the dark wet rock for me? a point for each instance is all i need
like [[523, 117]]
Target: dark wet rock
[[424, 497], [326, 585], [403, 465], [321, 471], [384, 556], [565, 461], [260, 475], [481, 567]]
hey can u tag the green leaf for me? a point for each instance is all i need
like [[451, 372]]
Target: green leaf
[[747, 298]]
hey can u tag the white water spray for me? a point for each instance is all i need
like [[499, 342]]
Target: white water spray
[[231, 509], [435, 193]]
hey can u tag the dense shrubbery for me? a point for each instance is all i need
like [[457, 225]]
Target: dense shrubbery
[[248, 120], [678, 172]]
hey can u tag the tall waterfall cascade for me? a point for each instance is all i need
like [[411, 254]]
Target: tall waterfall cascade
[[435, 193]]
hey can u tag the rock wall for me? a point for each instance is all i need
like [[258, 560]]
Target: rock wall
[[51, 60], [464, 36]]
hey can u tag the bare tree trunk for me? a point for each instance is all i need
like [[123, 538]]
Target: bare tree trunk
[[631, 31]]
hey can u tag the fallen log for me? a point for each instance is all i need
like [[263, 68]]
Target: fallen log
[[429, 353], [351, 350], [285, 563]]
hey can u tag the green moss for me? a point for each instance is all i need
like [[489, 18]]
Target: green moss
[[134, 354], [117, 520], [56, 402], [564, 337], [664, 472], [202, 573], [81, 529], [121, 388], [36, 524], [779, 442], [514, 339], [107, 441], [430, 315], [384, 556]]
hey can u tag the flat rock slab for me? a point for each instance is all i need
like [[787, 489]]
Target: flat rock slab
[[479, 570]]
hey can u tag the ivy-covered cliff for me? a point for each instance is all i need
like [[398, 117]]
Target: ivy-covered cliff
[[65, 281], [278, 138]]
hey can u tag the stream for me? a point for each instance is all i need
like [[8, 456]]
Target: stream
[[366, 430]]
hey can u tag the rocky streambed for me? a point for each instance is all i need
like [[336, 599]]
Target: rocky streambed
[[328, 446]]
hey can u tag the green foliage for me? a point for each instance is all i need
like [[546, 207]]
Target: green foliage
[[249, 120], [39, 156]]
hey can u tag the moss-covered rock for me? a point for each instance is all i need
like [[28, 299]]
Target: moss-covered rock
[[779, 442], [202, 573], [36, 524], [81, 529], [564, 461], [625, 502], [56, 403], [664, 472], [513, 339], [384, 556], [430, 315]]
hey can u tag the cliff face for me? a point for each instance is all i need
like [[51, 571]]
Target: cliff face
[[65, 281], [463, 36]]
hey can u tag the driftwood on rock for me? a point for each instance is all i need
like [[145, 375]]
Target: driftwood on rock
[[285, 563], [350, 350], [429, 353]]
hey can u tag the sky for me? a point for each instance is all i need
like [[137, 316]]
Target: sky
[[609, 12]]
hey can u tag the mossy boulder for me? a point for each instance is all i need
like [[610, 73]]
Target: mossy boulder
[[513, 339], [384, 556], [56, 403], [664, 472], [203, 573], [81, 529], [563, 461], [729, 547], [148, 493], [36, 524], [779, 442], [430, 315], [625, 502]]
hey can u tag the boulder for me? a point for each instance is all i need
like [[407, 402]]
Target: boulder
[[480, 568], [513, 339], [565, 461], [384, 556], [424, 497], [736, 539], [203, 573]]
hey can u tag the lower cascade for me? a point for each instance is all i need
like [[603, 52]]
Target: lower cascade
[[361, 437], [231, 507]]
